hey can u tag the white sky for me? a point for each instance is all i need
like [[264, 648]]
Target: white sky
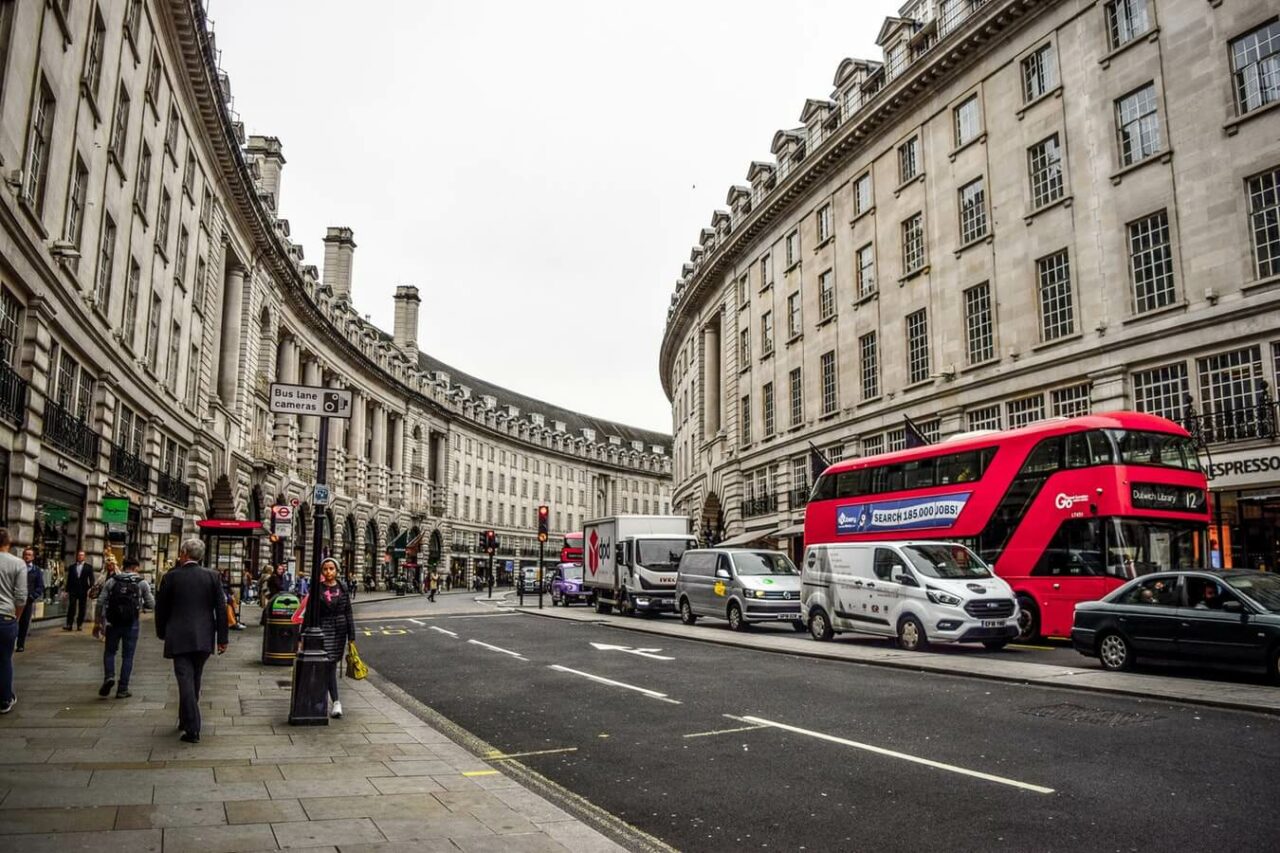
[[539, 170]]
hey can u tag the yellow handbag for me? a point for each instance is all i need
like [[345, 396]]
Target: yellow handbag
[[355, 667]]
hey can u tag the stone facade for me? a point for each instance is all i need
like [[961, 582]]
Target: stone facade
[[151, 295], [1027, 208]]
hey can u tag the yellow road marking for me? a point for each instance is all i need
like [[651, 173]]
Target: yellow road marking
[[480, 773], [500, 756], [1032, 648]]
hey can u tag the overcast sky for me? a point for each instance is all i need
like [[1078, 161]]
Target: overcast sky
[[539, 170]]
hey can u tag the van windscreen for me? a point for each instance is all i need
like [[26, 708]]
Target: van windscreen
[[946, 561], [753, 563]]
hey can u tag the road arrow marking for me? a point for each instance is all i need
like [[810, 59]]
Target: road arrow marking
[[644, 653]]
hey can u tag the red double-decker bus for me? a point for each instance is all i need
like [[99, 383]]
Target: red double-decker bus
[[1065, 510], [572, 550]]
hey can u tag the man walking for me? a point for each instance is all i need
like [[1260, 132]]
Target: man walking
[[79, 580], [190, 611], [123, 598], [35, 592], [13, 600]]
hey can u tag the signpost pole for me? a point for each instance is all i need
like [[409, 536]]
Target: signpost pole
[[491, 574], [541, 546]]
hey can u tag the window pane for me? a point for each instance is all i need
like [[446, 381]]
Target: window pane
[[1151, 263], [1057, 315]]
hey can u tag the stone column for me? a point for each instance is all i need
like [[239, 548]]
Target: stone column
[[378, 453], [1109, 392], [232, 331], [309, 425], [711, 395], [355, 445], [286, 425], [397, 458], [337, 462]]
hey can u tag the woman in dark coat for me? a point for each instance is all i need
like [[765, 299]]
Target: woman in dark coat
[[334, 610]]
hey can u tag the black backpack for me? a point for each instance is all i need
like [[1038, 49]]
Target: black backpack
[[124, 601]]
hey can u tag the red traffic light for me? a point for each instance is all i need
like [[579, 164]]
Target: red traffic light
[[490, 540], [544, 523]]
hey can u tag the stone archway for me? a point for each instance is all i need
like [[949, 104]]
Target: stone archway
[[372, 554], [711, 521]]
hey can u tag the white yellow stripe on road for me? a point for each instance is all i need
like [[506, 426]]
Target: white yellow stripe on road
[[599, 679], [915, 759], [498, 649]]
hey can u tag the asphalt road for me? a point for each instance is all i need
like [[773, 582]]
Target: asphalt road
[[715, 748]]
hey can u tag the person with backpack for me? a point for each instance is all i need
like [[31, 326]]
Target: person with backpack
[[124, 596]]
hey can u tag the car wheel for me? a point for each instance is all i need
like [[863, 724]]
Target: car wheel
[[1028, 620], [736, 622], [995, 645], [1115, 653], [602, 607], [686, 612], [911, 636], [819, 626], [799, 627]]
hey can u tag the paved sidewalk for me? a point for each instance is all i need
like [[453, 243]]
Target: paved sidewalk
[[82, 773]]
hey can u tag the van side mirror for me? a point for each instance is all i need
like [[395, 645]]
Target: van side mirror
[[723, 574], [905, 579]]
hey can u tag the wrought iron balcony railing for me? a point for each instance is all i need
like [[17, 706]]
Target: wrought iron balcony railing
[[130, 468], [69, 434], [798, 497], [13, 396], [762, 505], [1241, 423], [172, 489]]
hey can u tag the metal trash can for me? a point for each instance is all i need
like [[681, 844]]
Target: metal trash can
[[280, 633]]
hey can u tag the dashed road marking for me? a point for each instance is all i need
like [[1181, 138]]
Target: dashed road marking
[[727, 731], [443, 631], [498, 649], [652, 694]]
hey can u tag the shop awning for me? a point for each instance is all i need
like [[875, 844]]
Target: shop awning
[[789, 530], [744, 538]]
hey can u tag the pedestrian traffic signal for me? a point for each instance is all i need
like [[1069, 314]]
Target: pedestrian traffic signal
[[543, 523]]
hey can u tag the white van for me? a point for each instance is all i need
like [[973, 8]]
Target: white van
[[919, 592]]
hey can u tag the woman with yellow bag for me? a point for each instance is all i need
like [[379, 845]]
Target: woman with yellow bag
[[336, 623]]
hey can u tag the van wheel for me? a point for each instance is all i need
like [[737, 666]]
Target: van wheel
[[686, 612], [736, 622], [1028, 620], [603, 607], [911, 636], [1115, 653], [819, 626], [799, 627]]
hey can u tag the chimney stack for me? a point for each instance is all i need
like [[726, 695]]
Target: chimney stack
[[406, 323], [267, 151], [339, 252]]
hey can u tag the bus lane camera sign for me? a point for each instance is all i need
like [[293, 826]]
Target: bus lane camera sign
[[903, 514]]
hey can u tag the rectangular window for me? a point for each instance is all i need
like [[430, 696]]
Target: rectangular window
[[193, 370], [1151, 262], [1230, 381], [862, 195], [1126, 20], [873, 445], [153, 331], [968, 121], [66, 380], [120, 127], [10, 313], [866, 271], [766, 271], [908, 165], [93, 56], [106, 263], [1255, 64], [1138, 125], [206, 208], [744, 295], [189, 173], [744, 420], [979, 325], [133, 20], [868, 349], [767, 408], [1026, 410], [1070, 402], [152, 91], [180, 266], [1264, 221], [162, 223], [171, 133], [1057, 314], [793, 249], [826, 296], [76, 203], [796, 383], [197, 290], [144, 179], [987, 417], [896, 439], [744, 349], [766, 334], [913, 244], [1039, 73], [132, 286], [1162, 391], [829, 397], [800, 473], [38, 140], [973, 211], [793, 315], [171, 367], [1044, 161], [824, 223], [917, 346]]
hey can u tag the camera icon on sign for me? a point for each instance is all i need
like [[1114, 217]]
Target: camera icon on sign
[[331, 403]]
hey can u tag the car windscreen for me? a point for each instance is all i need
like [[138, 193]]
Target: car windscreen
[[947, 562], [571, 571], [752, 563], [1264, 589], [660, 553]]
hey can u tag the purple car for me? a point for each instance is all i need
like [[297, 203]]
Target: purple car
[[566, 587]]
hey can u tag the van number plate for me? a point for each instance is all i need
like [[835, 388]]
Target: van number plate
[[992, 623]]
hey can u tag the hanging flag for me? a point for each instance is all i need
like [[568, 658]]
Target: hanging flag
[[817, 463], [914, 437]]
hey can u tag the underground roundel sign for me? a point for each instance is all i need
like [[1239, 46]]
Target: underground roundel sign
[[593, 553]]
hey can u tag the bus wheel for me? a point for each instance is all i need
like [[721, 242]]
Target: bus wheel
[[819, 626], [1115, 653], [603, 607], [736, 622], [1028, 620], [686, 612], [911, 636]]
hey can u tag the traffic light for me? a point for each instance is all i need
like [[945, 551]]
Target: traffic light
[[543, 523], [490, 541], [483, 541]]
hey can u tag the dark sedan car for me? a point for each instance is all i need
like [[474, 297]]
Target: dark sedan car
[[1206, 616]]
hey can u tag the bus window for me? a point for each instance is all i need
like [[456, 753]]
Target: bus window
[[846, 484], [1076, 550], [1045, 458], [824, 489], [917, 474]]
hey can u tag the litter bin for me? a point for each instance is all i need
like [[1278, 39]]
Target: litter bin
[[280, 633]]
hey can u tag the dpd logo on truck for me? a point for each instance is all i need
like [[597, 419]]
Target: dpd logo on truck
[[593, 553]]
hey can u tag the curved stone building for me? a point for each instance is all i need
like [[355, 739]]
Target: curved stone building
[[1023, 209], [151, 293]]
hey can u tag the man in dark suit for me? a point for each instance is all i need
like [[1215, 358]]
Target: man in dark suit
[[79, 581], [190, 611]]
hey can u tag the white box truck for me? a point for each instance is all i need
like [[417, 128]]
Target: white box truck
[[630, 561]]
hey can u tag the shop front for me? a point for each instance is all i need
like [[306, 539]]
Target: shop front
[[59, 533], [167, 530], [1245, 515], [231, 545]]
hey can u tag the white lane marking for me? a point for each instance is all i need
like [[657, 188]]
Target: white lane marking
[[509, 756], [498, 649], [644, 653], [1026, 786], [417, 621], [443, 631], [726, 731], [652, 694]]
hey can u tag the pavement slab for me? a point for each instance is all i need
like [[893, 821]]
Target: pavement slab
[[86, 819], [170, 814], [220, 839]]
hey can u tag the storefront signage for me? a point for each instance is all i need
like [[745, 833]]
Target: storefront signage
[[1244, 469], [162, 524], [115, 510], [904, 514], [1170, 498], [309, 400]]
